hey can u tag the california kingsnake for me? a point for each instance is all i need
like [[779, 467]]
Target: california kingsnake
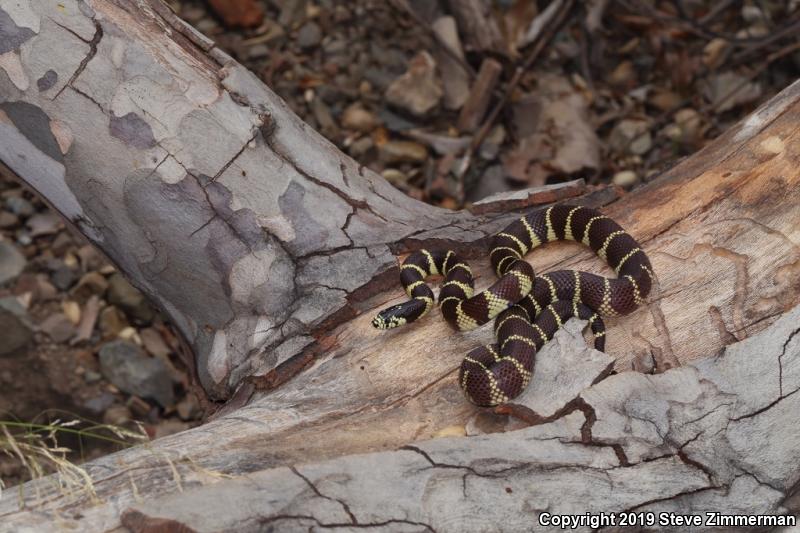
[[528, 309]]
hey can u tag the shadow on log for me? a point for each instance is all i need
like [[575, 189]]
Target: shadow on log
[[271, 251]]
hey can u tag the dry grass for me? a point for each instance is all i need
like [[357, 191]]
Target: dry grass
[[36, 447]]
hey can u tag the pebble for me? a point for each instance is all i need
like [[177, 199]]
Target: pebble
[[258, 51], [117, 415], [61, 244], [111, 322], [58, 327], [15, 325], [12, 262], [100, 403], [625, 178], [20, 206], [47, 223], [361, 146], [8, 220], [309, 35], [394, 176], [154, 343], [715, 52], [355, 117], [126, 366], [72, 310], [419, 90], [623, 76], [91, 283], [631, 136], [238, 13], [63, 277], [403, 152], [126, 297], [90, 376]]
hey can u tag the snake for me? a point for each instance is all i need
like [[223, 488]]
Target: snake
[[528, 309]]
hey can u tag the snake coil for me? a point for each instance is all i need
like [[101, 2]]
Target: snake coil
[[528, 309]]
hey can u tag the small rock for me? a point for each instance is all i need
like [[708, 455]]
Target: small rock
[[623, 76], [20, 206], [753, 14], [15, 325], [324, 118], [394, 176], [126, 297], [154, 343], [90, 376], [63, 277], [8, 220], [117, 415], [664, 100], [111, 322], [47, 223], [44, 290], [58, 327], [418, 91], [361, 146], [91, 260], [130, 334], [309, 35], [101, 403], [728, 90], [715, 52], [631, 136], [258, 51], [403, 152], [23, 237], [138, 407], [72, 311], [61, 244], [355, 117], [91, 283], [625, 178], [238, 13], [12, 262], [126, 366], [686, 128]]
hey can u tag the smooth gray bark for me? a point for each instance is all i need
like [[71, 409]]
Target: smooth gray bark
[[246, 227]]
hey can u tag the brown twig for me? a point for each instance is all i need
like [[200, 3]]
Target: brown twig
[[715, 11]]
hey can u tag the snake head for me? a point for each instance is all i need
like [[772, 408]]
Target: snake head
[[398, 315]]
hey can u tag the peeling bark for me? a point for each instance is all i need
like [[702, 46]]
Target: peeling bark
[[271, 251]]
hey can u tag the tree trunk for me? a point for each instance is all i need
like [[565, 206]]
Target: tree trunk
[[270, 251]]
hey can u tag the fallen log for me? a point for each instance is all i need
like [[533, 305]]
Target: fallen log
[[270, 251]]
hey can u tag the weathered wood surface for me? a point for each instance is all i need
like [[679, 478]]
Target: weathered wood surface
[[715, 435], [721, 229]]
